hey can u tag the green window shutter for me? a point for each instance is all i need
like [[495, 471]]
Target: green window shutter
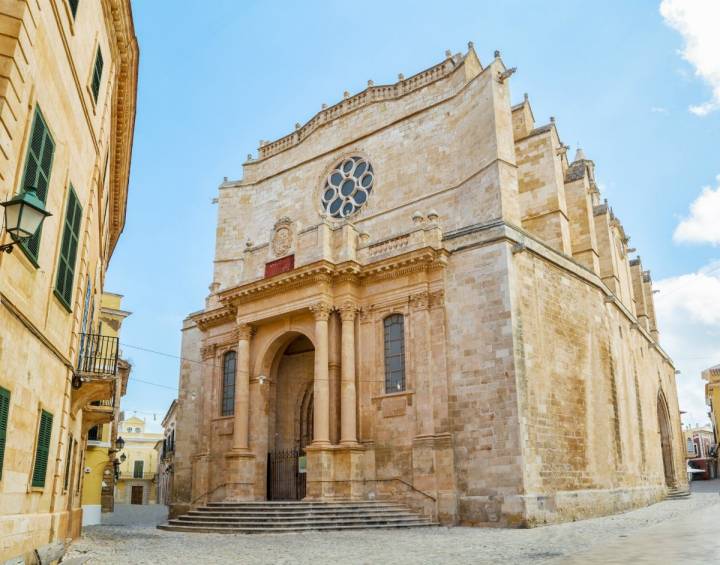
[[138, 470], [4, 413], [97, 74], [73, 7], [38, 163], [68, 250], [42, 452]]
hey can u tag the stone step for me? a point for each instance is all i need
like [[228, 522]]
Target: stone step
[[293, 529], [301, 504], [285, 523], [293, 519], [293, 512]]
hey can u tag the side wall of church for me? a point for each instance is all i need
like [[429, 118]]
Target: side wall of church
[[589, 382]]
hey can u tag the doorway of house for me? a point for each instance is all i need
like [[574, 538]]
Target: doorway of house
[[292, 422], [136, 495]]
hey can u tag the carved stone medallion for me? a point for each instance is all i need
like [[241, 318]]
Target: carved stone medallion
[[283, 237]]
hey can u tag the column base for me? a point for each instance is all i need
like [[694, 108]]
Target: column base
[[335, 471], [241, 475]]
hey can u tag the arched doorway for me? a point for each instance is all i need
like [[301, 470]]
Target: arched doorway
[[666, 440], [290, 420]]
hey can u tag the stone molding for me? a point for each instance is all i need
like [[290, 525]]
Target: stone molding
[[208, 351], [348, 311], [244, 332], [420, 301]]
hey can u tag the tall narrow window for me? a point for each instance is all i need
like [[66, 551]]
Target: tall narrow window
[[97, 74], [138, 470], [38, 163], [68, 460], [42, 451], [94, 433], [4, 413], [68, 250], [228, 388], [394, 353]]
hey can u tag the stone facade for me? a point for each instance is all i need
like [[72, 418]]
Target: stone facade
[[532, 386], [49, 55], [137, 481]]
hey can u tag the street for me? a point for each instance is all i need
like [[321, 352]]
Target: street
[[675, 531]]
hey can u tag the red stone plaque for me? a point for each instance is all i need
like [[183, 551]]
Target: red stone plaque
[[282, 265]]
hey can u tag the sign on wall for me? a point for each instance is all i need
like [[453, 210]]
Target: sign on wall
[[282, 265]]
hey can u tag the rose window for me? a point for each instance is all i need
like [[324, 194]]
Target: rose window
[[348, 187]]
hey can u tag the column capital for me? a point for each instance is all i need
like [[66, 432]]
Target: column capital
[[208, 351], [321, 310], [348, 310], [420, 301], [244, 332]]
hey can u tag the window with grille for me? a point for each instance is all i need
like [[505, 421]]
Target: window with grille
[[38, 163], [394, 353], [4, 416], [97, 75], [228, 388], [68, 250], [138, 470], [42, 451]]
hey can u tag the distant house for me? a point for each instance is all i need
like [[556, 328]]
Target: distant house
[[138, 472], [702, 451], [166, 456]]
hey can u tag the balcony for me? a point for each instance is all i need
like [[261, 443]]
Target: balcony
[[95, 378], [130, 476]]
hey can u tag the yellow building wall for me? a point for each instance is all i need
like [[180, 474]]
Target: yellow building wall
[[47, 60]]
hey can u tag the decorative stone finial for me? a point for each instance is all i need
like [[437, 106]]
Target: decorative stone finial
[[417, 217], [448, 53], [471, 45], [525, 97], [346, 94], [497, 54], [552, 119], [579, 154], [249, 157], [432, 216], [370, 82], [297, 125], [323, 106], [401, 76], [224, 179]]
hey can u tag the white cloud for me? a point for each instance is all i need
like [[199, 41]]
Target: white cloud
[[703, 224], [688, 312], [658, 110], [697, 21]]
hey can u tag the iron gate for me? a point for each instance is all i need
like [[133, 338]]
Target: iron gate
[[286, 475]]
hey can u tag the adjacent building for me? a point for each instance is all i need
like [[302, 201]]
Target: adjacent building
[[166, 456], [419, 296], [67, 111], [98, 487], [137, 482], [702, 451], [711, 377]]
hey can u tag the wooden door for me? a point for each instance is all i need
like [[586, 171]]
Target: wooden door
[[136, 495]]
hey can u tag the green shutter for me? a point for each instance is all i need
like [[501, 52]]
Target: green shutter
[[97, 74], [138, 470], [73, 7], [42, 452], [38, 163], [68, 250], [4, 413]]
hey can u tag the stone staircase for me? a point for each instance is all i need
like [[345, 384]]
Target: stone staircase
[[675, 493], [291, 516]]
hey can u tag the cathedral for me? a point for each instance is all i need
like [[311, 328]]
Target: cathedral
[[419, 297]]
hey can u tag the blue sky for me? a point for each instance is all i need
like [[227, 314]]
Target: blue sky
[[216, 77]]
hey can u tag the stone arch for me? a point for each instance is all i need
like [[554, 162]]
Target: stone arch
[[274, 342], [665, 430]]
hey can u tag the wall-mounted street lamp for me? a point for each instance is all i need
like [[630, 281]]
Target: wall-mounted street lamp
[[123, 457], [24, 214], [119, 443]]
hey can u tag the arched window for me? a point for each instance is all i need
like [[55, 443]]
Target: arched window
[[394, 353], [228, 388]]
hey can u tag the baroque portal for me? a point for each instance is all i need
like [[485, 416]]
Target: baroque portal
[[447, 314]]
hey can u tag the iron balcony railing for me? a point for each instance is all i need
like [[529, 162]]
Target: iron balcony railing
[[98, 356], [107, 403]]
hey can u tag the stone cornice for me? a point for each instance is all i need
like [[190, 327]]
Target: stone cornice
[[124, 102], [215, 317], [423, 259], [368, 96]]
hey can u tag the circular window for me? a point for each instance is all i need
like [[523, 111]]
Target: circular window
[[347, 187]]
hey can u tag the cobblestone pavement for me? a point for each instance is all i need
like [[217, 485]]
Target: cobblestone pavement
[[684, 531]]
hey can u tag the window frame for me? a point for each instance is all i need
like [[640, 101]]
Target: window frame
[[96, 75], [70, 262], [34, 256], [5, 396], [141, 467], [43, 445], [227, 389], [394, 319]]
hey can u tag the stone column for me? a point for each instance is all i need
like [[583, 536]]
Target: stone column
[[242, 389], [321, 385], [348, 397]]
